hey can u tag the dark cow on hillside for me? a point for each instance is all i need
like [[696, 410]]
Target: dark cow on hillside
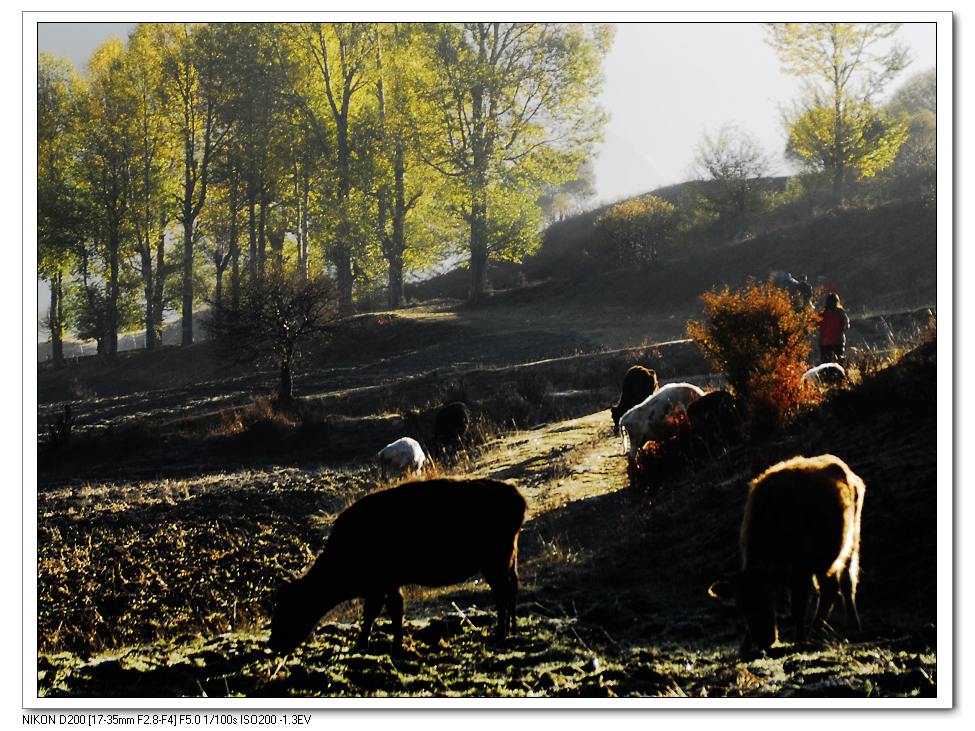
[[427, 533], [638, 383], [451, 424], [714, 420], [801, 530]]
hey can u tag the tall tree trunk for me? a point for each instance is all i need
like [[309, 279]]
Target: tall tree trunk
[[480, 148], [234, 262], [160, 283], [343, 250], [276, 240], [838, 180], [218, 289], [187, 303], [342, 258], [113, 291], [262, 235], [252, 237], [479, 246], [285, 388], [233, 244], [56, 321], [303, 235], [396, 294], [398, 240], [299, 217], [149, 288], [235, 278], [838, 156]]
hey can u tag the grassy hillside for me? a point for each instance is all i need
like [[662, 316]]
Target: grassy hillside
[[879, 257], [160, 586], [181, 499]]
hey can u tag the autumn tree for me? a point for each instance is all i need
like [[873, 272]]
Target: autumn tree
[[515, 105], [153, 163], [336, 58], [109, 148], [403, 129], [61, 206], [731, 162], [837, 128], [191, 88]]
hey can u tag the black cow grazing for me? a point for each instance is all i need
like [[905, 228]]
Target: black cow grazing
[[714, 419], [638, 384], [451, 424], [801, 529], [428, 533]]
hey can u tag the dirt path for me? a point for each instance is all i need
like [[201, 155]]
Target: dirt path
[[558, 463]]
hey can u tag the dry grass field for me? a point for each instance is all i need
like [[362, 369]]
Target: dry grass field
[[159, 549]]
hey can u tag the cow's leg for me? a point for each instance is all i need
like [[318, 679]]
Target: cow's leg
[[801, 583], [849, 599], [497, 579], [395, 605], [372, 605], [828, 588], [513, 592]]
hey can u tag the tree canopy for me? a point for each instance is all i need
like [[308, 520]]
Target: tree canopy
[[836, 128], [189, 160]]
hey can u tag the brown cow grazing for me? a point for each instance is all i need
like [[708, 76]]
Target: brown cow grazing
[[638, 384], [802, 529], [429, 533]]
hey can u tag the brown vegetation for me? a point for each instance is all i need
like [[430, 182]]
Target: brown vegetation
[[760, 340]]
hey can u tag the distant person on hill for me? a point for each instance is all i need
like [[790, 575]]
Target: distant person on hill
[[833, 324], [804, 291]]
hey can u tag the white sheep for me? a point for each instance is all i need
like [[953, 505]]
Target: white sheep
[[403, 456], [824, 374], [652, 418]]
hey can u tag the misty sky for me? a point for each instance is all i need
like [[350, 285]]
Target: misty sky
[[665, 85]]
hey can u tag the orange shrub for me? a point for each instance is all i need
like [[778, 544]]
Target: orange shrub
[[758, 338]]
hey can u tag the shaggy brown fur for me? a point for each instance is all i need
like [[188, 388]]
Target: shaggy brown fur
[[638, 383], [429, 533], [801, 529]]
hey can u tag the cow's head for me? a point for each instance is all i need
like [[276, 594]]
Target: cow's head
[[754, 594]]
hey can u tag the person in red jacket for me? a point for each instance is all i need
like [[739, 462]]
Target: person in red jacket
[[833, 324]]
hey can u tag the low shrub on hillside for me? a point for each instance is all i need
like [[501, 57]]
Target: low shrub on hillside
[[760, 340], [634, 230], [269, 423]]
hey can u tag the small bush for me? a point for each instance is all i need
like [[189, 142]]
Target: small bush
[[760, 340], [635, 230], [509, 409], [59, 430]]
